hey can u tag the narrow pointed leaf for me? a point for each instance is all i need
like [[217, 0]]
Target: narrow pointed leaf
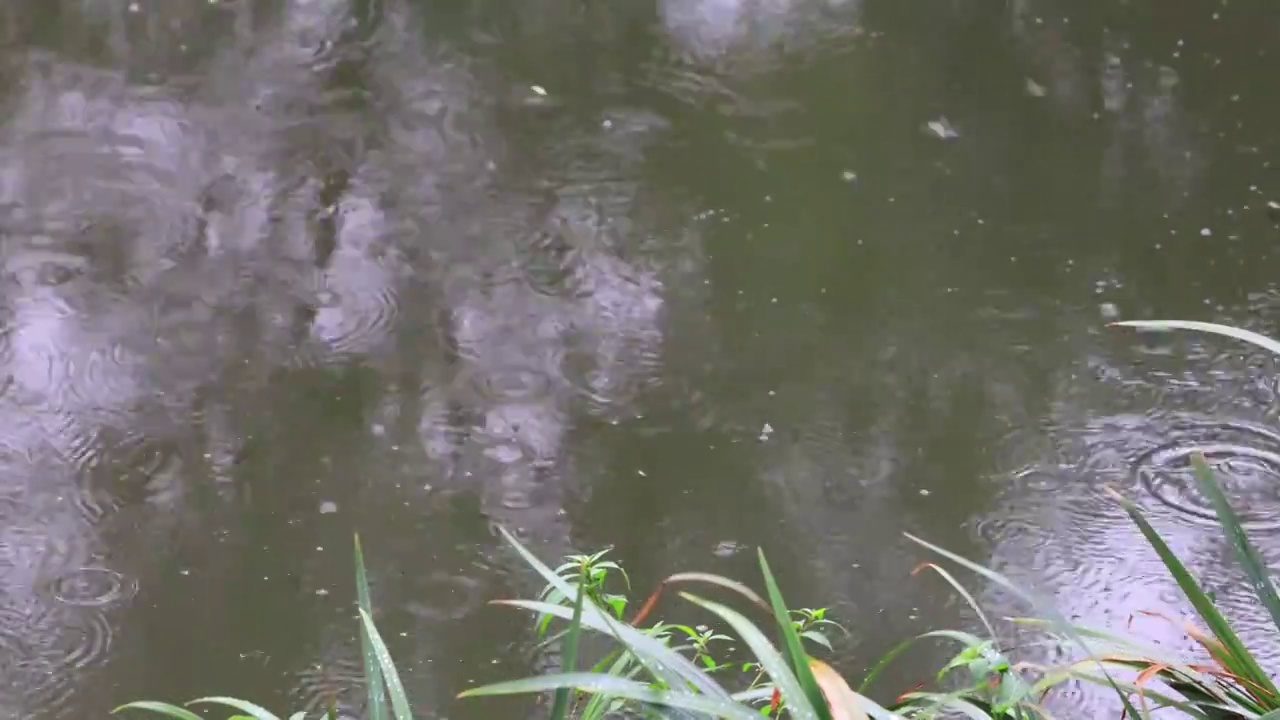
[[774, 664], [1248, 336], [841, 699], [618, 687], [160, 708], [399, 700], [1238, 658], [1246, 553], [257, 712], [372, 673], [666, 664], [791, 641], [1047, 608], [569, 654]]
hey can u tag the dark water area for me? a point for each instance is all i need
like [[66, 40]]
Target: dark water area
[[678, 278]]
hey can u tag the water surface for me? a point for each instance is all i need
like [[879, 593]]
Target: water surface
[[683, 278]]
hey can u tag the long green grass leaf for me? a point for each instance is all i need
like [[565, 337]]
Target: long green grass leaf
[[569, 653], [1248, 336], [968, 597], [257, 712], [399, 700], [659, 659], [1046, 608], [775, 666], [372, 674], [160, 708], [622, 688], [1237, 657], [1079, 672], [666, 664], [1250, 560], [792, 643], [968, 639]]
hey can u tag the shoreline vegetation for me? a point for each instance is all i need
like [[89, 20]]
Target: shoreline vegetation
[[660, 670]]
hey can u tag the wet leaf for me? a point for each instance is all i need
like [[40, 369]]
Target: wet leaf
[[160, 708], [841, 699], [618, 687], [257, 712], [399, 701]]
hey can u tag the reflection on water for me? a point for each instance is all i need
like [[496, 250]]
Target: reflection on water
[[680, 278]]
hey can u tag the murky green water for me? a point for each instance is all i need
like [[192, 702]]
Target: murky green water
[[675, 277]]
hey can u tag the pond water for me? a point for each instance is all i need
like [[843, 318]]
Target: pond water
[[685, 278]]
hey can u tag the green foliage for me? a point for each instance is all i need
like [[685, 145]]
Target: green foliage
[[674, 670]]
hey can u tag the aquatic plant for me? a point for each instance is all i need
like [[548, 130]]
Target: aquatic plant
[[648, 673], [381, 678]]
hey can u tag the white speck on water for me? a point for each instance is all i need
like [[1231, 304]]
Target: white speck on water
[[1205, 232], [321, 592], [942, 128], [641, 473], [328, 507], [1109, 311], [378, 430], [848, 176], [765, 432], [539, 90], [1035, 89], [924, 492]]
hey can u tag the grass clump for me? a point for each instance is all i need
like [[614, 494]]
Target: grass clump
[[672, 670]]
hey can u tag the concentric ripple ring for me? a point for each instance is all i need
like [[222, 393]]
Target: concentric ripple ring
[[1245, 460], [93, 587]]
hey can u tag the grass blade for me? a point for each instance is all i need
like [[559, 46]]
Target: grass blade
[[659, 659], [964, 593], [967, 639], [778, 669], [621, 688], [1250, 560], [399, 701], [372, 673], [160, 708], [840, 697], [257, 712], [1048, 609], [671, 667], [687, 577], [1248, 336], [1236, 657], [791, 641], [560, 706]]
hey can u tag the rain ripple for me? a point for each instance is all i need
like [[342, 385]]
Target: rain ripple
[[1245, 459], [55, 647], [350, 324]]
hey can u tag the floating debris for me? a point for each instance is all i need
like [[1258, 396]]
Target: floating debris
[[1035, 89], [765, 432], [728, 548], [941, 128], [328, 507]]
